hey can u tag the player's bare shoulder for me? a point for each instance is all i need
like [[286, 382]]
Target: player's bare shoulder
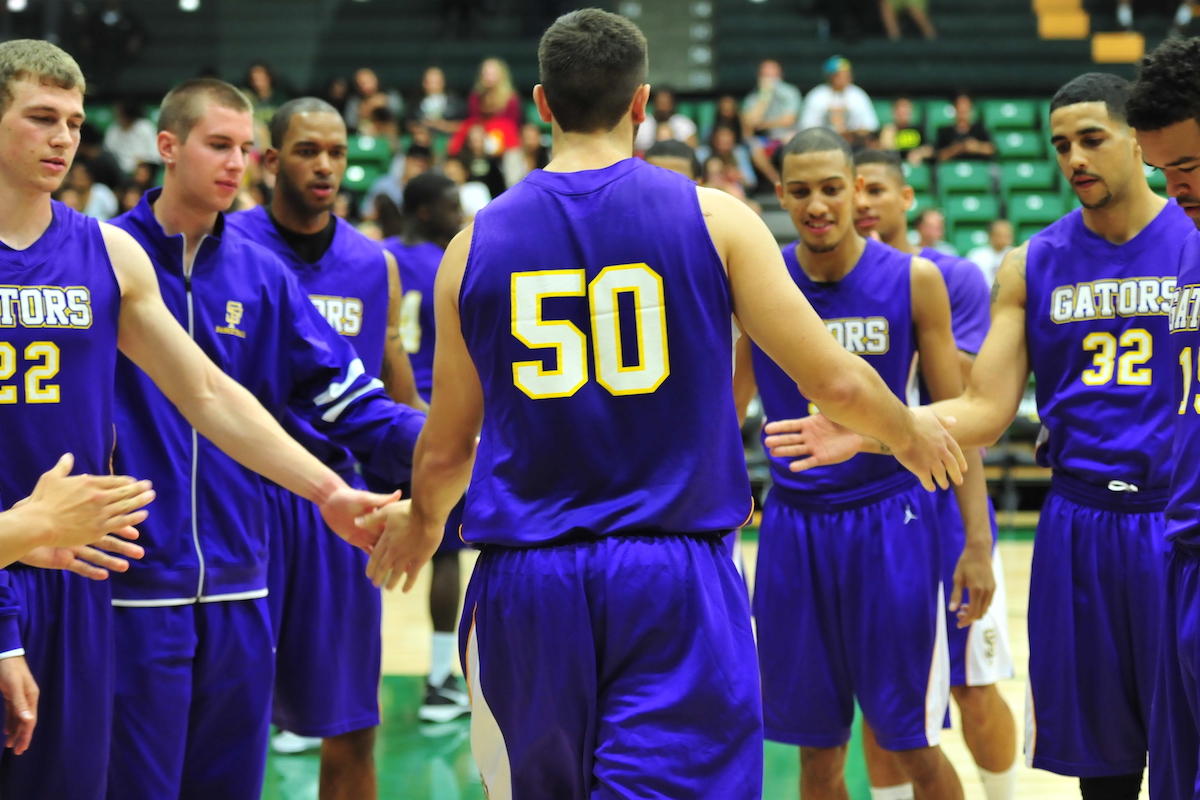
[[925, 273], [729, 221], [1009, 286], [130, 263], [454, 262]]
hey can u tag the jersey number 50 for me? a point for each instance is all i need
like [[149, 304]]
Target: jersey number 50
[[42, 358], [615, 371]]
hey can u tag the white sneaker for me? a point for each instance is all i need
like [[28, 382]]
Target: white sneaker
[[444, 703], [289, 744]]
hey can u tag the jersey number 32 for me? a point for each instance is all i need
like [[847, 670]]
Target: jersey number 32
[[620, 373]]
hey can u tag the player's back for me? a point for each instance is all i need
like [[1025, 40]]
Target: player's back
[[418, 266], [1183, 510], [869, 312], [59, 306], [596, 311], [1097, 326]]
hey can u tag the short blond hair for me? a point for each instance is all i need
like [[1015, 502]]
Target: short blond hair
[[184, 105], [39, 61]]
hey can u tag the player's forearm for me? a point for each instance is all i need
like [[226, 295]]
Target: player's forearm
[[979, 421], [972, 503], [232, 419], [441, 475], [858, 399], [22, 530]]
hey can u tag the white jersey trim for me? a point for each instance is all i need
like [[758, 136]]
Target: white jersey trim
[[171, 602]]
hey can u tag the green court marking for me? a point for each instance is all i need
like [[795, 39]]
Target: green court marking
[[433, 762]]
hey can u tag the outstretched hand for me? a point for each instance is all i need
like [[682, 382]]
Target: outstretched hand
[[346, 506], [83, 509], [932, 454], [404, 545], [815, 441], [90, 561]]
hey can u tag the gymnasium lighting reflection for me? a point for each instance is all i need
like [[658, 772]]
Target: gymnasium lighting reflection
[[189, 5]]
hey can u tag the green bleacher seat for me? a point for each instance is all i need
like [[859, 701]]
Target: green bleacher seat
[[369, 151], [100, 116], [971, 208], [919, 177], [967, 237], [151, 111], [938, 114], [921, 202], [1022, 145], [1156, 179], [963, 176], [1024, 232], [531, 115], [1016, 176], [706, 114], [1036, 208], [1010, 114], [1044, 114], [688, 109], [883, 110], [359, 177]]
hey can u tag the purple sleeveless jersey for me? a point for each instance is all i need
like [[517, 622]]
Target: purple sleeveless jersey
[[597, 313], [1183, 510], [349, 287], [418, 268], [1097, 319], [869, 312], [59, 305]]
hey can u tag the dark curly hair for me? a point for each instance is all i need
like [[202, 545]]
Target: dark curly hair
[[1167, 89]]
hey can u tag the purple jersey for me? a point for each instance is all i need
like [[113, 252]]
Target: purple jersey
[[970, 310], [596, 311], [59, 305], [869, 312], [418, 267], [1183, 510], [1094, 312]]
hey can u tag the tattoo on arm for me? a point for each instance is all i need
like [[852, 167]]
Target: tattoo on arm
[[995, 290]]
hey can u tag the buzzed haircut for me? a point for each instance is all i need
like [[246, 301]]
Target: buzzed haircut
[[184, 105], [1095, 87], [818, 140], [1167, 89], [673, 148], [282, 119], [35, 60], [889, 160], [924, 215], [590, 64], [425, 190]]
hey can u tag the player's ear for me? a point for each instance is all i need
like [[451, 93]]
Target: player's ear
[[641, 99], [539, 99], [271, 161], [908, 196], [168, 147]]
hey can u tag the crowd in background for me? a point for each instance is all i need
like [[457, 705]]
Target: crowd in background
[[483, 140]]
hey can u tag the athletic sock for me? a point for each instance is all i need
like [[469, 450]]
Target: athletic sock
[[902, 792], [999, 785], [443, 657]]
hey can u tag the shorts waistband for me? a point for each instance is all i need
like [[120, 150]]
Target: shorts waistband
[[1117, 496], [859, 496]]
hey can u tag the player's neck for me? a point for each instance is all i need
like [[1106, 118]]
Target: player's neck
[[1126, 216], [899, 240], [177, 216], [27, 215], [832, 265], [297, 220], [415, 233], [576, 152]]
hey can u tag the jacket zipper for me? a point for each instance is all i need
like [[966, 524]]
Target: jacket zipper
[[187, 283]]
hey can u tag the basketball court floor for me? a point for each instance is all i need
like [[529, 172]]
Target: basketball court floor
[[424, 762]]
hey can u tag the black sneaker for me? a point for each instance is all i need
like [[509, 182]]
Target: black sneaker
[[444, 703]]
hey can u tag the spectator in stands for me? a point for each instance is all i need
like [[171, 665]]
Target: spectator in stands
[[769, 117], [264, 91], [663, 113], [474, 195], [382, 124], [480, 156], [417, 159], [675, 156], [128, 198], [69, 198], [967, 139], [728, 115], [95, 199], [145, 176], [931, 228], [436, 110], [735, 157], [337, 93], [104, 165], [917, 9], [532, 154], [903, 136], [367, 96], [840, 105], [493, 104], [132, 138], [988, 257]]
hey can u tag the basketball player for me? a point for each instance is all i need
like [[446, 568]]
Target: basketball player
[[676, 156], [1164, 107], [195, 642], [432, 217], [72, 291], [1082, 305], [606, 634], [979, 654], [863, 537], [327, 659]]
